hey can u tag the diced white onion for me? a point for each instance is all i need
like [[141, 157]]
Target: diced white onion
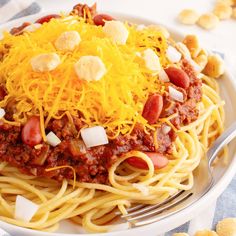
[[173, 55], [182, 48], [163, 76], [119, 227], [200, 76], [195, 66], [94, 136], [52, 139], [166, 129], [142, 188], [2, 113], [25, 209], [32, 27], [175, 94]]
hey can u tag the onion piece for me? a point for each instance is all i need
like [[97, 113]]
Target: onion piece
[[175, 94], [94, 136], [52, 139], [2, 113], [200, 76], [182, 48], [173, 55], [195, 66], [166, 129], [25, 209], [163, 76], [142, 188]]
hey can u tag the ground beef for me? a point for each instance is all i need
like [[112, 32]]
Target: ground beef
[[187, 111], [91, 165], [195, 89], [83, 10]]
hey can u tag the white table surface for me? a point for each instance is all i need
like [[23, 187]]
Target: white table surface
[[223, 38]]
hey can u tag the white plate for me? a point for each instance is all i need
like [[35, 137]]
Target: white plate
[[223, 174]]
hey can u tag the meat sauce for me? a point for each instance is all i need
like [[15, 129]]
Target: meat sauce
[[187, 111], [91, 165]]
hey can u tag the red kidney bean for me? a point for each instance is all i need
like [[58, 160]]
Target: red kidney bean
[[31, 134], [178, 77], [153, 108], [18, 30], [101, 19], [47, 18], [159, 161]]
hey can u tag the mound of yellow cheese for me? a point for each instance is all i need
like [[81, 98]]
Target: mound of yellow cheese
[[115, 101]]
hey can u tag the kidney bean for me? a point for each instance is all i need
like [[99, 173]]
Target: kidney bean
[[153, 108], [159, 161], [18, 30], [178, 77], [101, 19], [31, 134], [47, 18]]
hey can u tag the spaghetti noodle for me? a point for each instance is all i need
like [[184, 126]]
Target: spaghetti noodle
[[116, 102]]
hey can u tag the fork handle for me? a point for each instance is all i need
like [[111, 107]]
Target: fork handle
[[226, 137]]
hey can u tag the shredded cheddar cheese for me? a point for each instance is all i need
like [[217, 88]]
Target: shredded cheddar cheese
[[115, 102]]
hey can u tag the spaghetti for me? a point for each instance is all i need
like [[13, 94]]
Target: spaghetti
[[56, 178]]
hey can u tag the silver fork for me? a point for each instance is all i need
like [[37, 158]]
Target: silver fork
[[203, 180]]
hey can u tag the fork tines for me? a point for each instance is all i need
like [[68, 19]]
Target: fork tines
[[137, 215]]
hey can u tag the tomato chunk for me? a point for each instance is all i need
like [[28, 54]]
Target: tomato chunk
[[159, 161], [47, 18], [31, 134]]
